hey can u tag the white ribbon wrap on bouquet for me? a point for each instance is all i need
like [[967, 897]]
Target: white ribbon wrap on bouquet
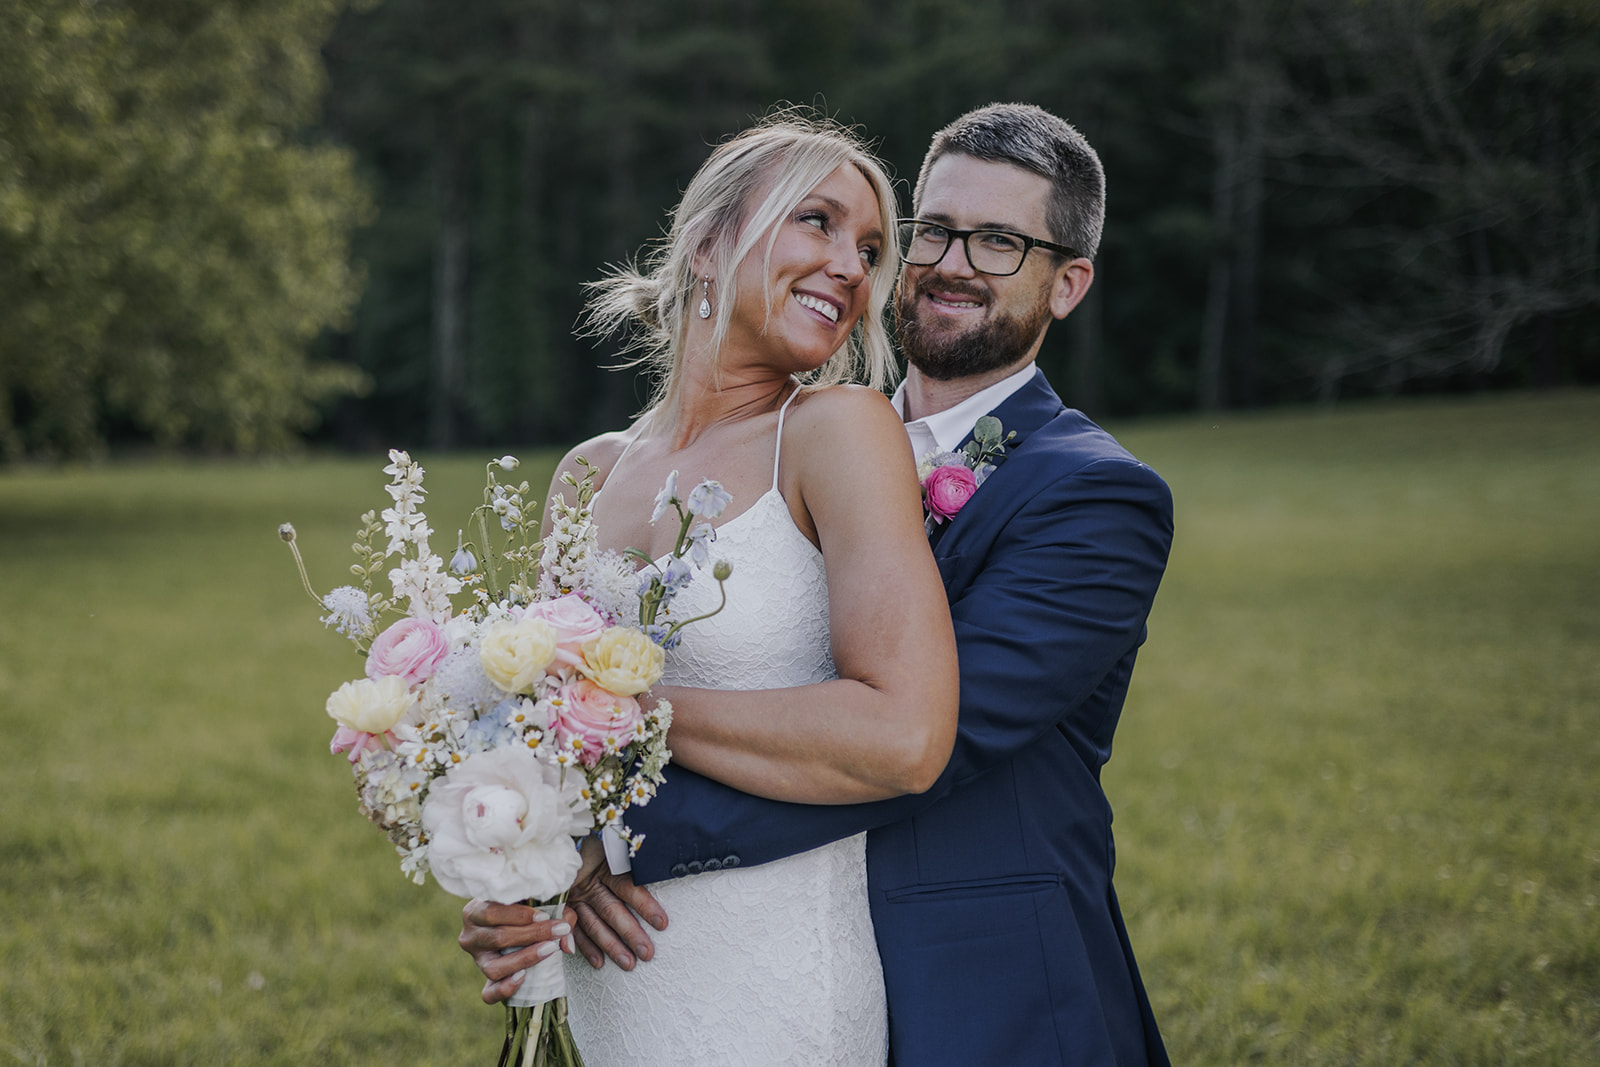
[[544, 982]]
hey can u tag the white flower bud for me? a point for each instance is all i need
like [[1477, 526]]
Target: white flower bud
[[463, 562]]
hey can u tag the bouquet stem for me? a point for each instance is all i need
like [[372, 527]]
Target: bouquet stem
[[537, 1034], [539, 1037]]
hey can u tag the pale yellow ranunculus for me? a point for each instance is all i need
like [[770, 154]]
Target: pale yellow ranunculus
[[624, 661], [371, 706], [515, 654]]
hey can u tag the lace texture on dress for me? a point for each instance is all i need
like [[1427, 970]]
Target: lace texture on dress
[[759, 965]]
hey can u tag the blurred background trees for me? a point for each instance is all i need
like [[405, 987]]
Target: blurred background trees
[[1308, 199], [172, 239]]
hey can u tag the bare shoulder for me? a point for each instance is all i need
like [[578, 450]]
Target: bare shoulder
[[600, 452], [839, 406], [848, 439], [842, 420]]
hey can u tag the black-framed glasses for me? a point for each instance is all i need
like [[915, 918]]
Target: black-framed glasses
[[996, 252]]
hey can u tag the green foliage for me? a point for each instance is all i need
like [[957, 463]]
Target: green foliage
[[1353, 782], [168, 248], [1338, 198], [1306, 200]]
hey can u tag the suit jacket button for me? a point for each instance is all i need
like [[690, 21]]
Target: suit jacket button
[[694, 866], [730, 861], [678, 870], [713, 865]]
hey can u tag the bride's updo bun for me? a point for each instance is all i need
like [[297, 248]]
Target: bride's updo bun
[[625, 298], [750, 182]]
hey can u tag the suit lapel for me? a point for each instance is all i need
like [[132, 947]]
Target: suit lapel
[[1024, 411]]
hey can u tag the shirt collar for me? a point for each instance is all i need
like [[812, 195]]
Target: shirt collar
[[944, 430]]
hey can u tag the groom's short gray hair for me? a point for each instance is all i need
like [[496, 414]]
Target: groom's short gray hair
[[1031, 138]]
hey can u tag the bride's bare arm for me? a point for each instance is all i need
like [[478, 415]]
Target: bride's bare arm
[[887, 724]]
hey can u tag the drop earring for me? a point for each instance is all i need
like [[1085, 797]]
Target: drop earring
[[705, 297]]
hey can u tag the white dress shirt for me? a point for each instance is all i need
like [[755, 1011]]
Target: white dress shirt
[[944, 430]]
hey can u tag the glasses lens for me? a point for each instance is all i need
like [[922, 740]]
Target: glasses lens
[[996, 252], [922, 243]]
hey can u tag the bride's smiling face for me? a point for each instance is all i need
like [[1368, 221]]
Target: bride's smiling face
[[816, 282]]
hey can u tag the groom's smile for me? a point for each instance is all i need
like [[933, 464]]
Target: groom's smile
[[944, 297]]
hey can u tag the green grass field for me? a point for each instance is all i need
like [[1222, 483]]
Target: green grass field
[[1355, 781]]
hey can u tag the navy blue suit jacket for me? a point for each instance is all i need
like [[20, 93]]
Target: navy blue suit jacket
[[999, 931]]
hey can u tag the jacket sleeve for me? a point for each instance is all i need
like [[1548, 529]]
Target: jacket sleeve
[[1058, 599]]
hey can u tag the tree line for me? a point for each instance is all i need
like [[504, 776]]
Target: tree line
[[229, 224]]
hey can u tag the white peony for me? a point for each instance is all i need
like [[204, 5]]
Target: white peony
[[501, 826]]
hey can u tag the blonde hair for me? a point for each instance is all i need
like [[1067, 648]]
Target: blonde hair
[[750, 182]]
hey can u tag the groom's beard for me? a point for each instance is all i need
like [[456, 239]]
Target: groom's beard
[[944, 355]]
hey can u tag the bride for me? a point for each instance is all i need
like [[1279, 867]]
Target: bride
[[830, 677]]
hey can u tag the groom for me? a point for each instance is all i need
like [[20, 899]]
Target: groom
[[997, 925]]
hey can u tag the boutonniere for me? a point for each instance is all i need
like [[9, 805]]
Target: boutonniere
[[949, 479]]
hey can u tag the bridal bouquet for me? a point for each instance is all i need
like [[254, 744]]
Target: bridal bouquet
[[499, 722]]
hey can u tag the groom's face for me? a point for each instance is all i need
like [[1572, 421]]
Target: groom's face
[[954, 322]]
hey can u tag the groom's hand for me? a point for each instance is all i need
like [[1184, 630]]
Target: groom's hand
[[489, 929], [606, 904]]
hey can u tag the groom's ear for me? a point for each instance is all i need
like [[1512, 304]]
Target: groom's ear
[[1070, 285]]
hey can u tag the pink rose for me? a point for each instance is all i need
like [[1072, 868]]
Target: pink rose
[[575, 622], [411, 649], [946, 490], [591, 714]]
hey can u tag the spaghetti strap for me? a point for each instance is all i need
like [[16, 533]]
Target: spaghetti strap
[[777, 448], [625, 450]]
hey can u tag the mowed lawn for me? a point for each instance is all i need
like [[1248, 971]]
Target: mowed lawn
[[1355, 782]]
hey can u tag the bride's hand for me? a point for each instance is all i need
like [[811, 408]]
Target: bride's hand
[[488, 928], [606, 904]]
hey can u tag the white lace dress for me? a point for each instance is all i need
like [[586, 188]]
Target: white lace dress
[[758, 965]]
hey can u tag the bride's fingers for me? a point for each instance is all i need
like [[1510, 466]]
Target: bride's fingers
[[499, 988], [497, 967], [571, 918], [478, 937], [482, 912], [495, 992], [600, 934]]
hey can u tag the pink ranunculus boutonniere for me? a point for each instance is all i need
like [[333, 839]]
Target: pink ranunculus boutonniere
[[950, 478], [946, 489]]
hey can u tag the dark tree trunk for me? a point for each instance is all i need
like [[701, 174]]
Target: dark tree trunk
[[1213, 368], [1247, 277], [449, 290]]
